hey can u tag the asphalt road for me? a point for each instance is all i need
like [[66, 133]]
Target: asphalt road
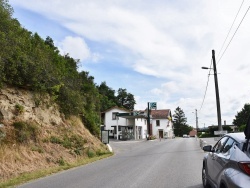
[[170, 163]]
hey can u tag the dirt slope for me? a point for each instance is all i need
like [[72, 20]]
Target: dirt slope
[[34, 135]]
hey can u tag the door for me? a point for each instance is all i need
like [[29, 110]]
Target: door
[[213, 159], [160, 133], [222, 158]]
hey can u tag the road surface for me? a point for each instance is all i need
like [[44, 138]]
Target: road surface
[[170, 163]]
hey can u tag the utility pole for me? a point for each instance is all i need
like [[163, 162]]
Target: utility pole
[[217, 91], [148, 121], [196, 121]]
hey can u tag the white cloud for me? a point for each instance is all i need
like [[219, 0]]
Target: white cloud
[[76, 47], [167, 40]]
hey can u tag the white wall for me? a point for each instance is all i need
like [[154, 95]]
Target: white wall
[[108, 122], [165, 125], [143, 124]]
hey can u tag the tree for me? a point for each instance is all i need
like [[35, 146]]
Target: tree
[[242, 116], [107, 96], [125, 99], [179, 120]]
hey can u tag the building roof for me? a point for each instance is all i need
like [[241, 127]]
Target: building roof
[[116, 107], [160, 114]]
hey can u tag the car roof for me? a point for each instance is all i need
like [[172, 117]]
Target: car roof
[[239, 137]]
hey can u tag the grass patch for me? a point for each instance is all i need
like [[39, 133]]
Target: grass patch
[[25, 177]]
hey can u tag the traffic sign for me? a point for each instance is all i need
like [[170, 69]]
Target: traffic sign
[[220, 132], [153, 105]]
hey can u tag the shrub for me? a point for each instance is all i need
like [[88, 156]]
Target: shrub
[[90, 153], [25, 132]]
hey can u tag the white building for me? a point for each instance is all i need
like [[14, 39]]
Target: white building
[[161, 123], [133, 124]]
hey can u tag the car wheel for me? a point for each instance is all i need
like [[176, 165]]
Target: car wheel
[[204, 178]]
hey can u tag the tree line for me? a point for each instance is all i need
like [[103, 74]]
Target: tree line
[[30, 62], [181, 127]]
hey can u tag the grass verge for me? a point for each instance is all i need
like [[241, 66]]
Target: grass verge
[[25, 177]]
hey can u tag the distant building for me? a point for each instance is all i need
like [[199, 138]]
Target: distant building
[[126, 125], [193, 133]]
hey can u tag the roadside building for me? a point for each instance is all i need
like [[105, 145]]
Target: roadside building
[[161, 123], [132, 125]]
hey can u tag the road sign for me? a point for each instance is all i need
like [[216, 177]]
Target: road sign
[[153, 105], [220, 132]]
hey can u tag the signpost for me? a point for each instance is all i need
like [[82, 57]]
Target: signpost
[[153, 105], [105, 136]]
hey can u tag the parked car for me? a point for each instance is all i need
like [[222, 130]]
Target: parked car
[[227, 163], [185, 136]]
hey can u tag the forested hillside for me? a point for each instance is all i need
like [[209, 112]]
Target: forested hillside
[[46, 104], [30, 62]]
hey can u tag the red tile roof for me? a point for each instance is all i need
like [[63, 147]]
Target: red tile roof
[[160, 114]]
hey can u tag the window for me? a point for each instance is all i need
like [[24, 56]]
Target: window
[[218, 148], [228, 145], [157, 122], [114, 115]]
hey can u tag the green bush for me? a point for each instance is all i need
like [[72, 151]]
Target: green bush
[[90, 153], [206, 135], [25, 132]]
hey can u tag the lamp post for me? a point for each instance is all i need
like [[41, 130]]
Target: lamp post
[[196, 121], [216, 90]]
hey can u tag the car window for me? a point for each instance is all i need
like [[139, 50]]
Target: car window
[[228, 145], [219, 146]]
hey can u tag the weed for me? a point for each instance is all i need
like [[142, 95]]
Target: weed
[[2, 135], [90, 153], [55, 140], [61, 162], [37, 148], [19, 109]]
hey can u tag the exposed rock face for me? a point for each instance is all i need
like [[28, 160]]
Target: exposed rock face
[[35, 107]]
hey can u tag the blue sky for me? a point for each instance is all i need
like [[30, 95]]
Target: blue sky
[[154, 49]]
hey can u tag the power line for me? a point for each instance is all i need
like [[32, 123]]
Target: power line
[[207, 85], [230, 28], [234, 34]]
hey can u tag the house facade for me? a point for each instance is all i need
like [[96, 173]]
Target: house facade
[[161, 123], [132, 125]]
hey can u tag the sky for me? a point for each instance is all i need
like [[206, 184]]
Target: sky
[[154, 49]]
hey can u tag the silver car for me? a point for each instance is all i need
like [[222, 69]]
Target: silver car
[[227, 163]]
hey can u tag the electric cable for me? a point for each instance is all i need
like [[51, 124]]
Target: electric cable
[[234, 34], [207, 85], [230, 29]]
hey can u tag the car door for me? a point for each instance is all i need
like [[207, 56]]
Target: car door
[[221, 158], [212, 159]]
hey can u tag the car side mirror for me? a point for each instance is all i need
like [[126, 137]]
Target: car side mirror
[[208, 148]]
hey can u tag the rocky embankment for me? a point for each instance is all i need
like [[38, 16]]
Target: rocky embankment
[[34, 135]]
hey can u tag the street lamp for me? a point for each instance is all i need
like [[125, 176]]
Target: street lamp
[[216, 90], [196, 120]]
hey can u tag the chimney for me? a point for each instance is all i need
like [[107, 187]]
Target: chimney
[[225, 122]]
